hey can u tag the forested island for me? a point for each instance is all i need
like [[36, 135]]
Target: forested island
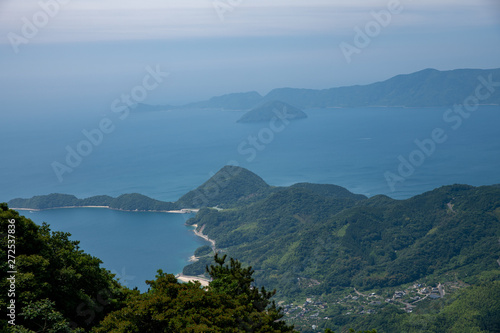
[[336, 259], [272, 110]]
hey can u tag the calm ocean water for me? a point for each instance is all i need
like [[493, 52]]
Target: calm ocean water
[[165, 154], [131, 245]]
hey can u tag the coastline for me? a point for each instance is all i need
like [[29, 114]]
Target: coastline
[[181, 277], [205, 237], [180, 211], [185, 278]]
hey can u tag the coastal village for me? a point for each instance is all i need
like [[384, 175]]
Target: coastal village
[[315, 310]]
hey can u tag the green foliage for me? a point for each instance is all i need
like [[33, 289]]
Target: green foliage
[[46, 201], [56, 282], [140, 202], [476, 309], [329, 191], [129, 202], [44, 318], [473, 309], [61, 289], [198, 267], [230, 304], [313, 239], [203, 251], [229, 186]]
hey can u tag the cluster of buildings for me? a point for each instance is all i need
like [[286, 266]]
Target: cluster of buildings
[[358, 303]]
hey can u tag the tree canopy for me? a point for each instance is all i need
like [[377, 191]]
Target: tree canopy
[[229, 304]]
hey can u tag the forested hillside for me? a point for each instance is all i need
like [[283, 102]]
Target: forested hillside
[[228, 187], [321, 242]]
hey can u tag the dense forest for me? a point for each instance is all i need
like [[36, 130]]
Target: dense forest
[[352, 242]]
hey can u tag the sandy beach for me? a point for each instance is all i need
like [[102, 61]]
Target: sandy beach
[[66, 207], [181, 211], [205, 237], [185, 278]]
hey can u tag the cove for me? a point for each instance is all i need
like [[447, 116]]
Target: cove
[[132, 245]]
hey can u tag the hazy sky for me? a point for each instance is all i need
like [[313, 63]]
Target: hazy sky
[[88, 52]]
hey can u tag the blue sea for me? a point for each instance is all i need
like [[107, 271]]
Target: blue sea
[[132, 245], [399, 152]]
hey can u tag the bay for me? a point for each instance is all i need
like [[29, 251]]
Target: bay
[[132, 245]]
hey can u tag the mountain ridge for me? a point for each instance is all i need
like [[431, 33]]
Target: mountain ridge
[[425, 88]]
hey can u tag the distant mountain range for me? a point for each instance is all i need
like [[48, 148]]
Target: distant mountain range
[[425, 88]]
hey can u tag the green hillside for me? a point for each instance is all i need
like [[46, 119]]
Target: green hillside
[[231, 185], [321, 242], [128, 202]]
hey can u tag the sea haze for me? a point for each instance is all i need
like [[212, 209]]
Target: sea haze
[[166, 154]]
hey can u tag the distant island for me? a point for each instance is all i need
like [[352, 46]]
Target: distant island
[[425, 88], [272, 110], [125, 202]]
